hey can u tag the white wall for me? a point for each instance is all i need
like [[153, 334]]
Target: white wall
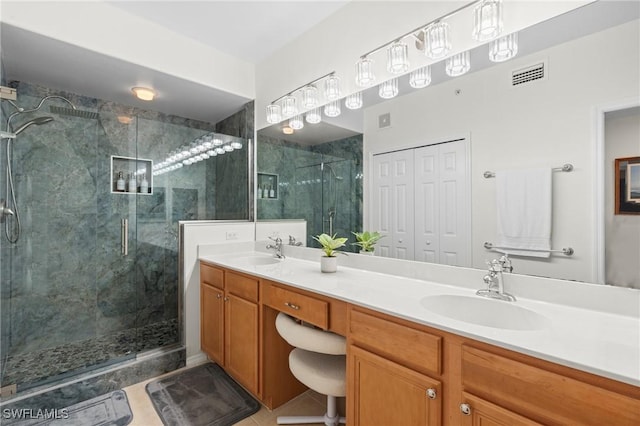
[[106, 29], [622, 241], [194, 235], [544, 123], [361, 26]]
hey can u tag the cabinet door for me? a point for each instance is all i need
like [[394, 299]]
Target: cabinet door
[[479, 412], [241, 341], [385, 393], [212, 322]]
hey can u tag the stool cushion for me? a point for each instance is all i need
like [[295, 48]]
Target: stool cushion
[[321, 372], [310, 338]]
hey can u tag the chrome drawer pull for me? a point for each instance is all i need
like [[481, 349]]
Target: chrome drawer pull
[[292, 306]]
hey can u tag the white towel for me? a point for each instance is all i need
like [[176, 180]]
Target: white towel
[[524, 212]]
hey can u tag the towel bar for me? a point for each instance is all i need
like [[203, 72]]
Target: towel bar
[[565, 168], [568, 251]]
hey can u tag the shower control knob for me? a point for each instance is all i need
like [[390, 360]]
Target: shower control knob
[[428, 243]]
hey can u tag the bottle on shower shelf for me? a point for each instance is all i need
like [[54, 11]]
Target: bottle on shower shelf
[[120, 182], [133, 184], [144, 184]]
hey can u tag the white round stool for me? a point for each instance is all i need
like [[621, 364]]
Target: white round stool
[[319, 362]]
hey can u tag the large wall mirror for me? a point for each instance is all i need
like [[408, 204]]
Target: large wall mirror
[[590, 61]]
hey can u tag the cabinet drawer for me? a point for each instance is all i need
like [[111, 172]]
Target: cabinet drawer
[[414, 348], [242, 286], [542, 395], [306, 308], [211, 275]]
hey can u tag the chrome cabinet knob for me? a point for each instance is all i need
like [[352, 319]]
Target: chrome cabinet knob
[[465, 409], [431, 393]]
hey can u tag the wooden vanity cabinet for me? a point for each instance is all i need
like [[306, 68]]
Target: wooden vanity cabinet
[[230, 323], [392, 361]]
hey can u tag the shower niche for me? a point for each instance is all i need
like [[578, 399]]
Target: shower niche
[[267, 186], [131, 175]]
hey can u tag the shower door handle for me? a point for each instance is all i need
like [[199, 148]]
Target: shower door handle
[[124, 237]]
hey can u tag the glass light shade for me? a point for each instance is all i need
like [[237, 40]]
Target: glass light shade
[[364, 72], [228, 148], [236, 145], [487, 20], [313, 116], [354, 101], [309, 97], [296, 122], [211, 153], [332, 88], [504, 48], [420, 78], [458, 64], [217, 141], [436, 38], [205, 155], [388, 89], [289, 107], [332, 109], [220, 150], [398, 58], [274, 114]]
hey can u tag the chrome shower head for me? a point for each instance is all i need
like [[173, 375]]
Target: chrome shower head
[[38, 121]]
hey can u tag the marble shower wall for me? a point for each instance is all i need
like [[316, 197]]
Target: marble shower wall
[[66, 280], [308, 192]]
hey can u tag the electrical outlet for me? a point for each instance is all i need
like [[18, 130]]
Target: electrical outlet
[[231, 235], [384, 120]]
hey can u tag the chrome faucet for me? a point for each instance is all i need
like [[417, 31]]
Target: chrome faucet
[[277, 246], [293, 242], [494, 280]]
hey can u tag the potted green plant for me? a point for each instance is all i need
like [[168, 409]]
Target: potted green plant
[[330, 245], [366, 241]]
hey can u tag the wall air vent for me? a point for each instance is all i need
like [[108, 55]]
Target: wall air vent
[[528, 74]]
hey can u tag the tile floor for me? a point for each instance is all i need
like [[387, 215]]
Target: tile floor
[[309, 403]]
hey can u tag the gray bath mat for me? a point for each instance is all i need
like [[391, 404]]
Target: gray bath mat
[[105, 410], [201, 396]]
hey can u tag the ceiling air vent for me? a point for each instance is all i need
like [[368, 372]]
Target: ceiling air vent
[[528, 74]]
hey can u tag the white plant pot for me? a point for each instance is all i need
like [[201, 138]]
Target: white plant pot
[[329, 264], [366, 253]]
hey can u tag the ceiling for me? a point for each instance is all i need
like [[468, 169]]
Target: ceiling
[[264, 27]]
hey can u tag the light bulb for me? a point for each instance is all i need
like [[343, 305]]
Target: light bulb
[[353, 101], [458, 64], [364, 72]]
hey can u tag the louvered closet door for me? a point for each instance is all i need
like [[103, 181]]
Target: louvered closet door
[[442, 207], [393, 203]]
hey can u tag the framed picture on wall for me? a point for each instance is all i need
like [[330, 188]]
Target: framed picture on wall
[[627, 183]]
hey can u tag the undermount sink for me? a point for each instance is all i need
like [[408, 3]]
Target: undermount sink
[[486, 312], [260, 260]]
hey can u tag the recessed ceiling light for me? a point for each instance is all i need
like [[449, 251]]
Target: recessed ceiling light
[[287, 130], [144, 93]]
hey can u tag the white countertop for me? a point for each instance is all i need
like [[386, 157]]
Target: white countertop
[[603, 343]]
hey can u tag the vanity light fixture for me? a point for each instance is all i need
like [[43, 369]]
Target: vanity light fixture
[[364, 72], [236, 145], [143, 93], [398, 58], [388, 89], [487, 20], [309, 96], [274, 113], [332, 109], [332, 88], [504, 48], [458, 64], [420, 78], [313, 116], [296, 122], [289, 107], [436, 39], [353, 101]]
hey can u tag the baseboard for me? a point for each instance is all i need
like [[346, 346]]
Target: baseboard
[[197, 359]]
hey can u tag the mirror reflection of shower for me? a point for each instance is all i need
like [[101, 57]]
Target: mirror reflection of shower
[[332, 181], [9, 213]]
